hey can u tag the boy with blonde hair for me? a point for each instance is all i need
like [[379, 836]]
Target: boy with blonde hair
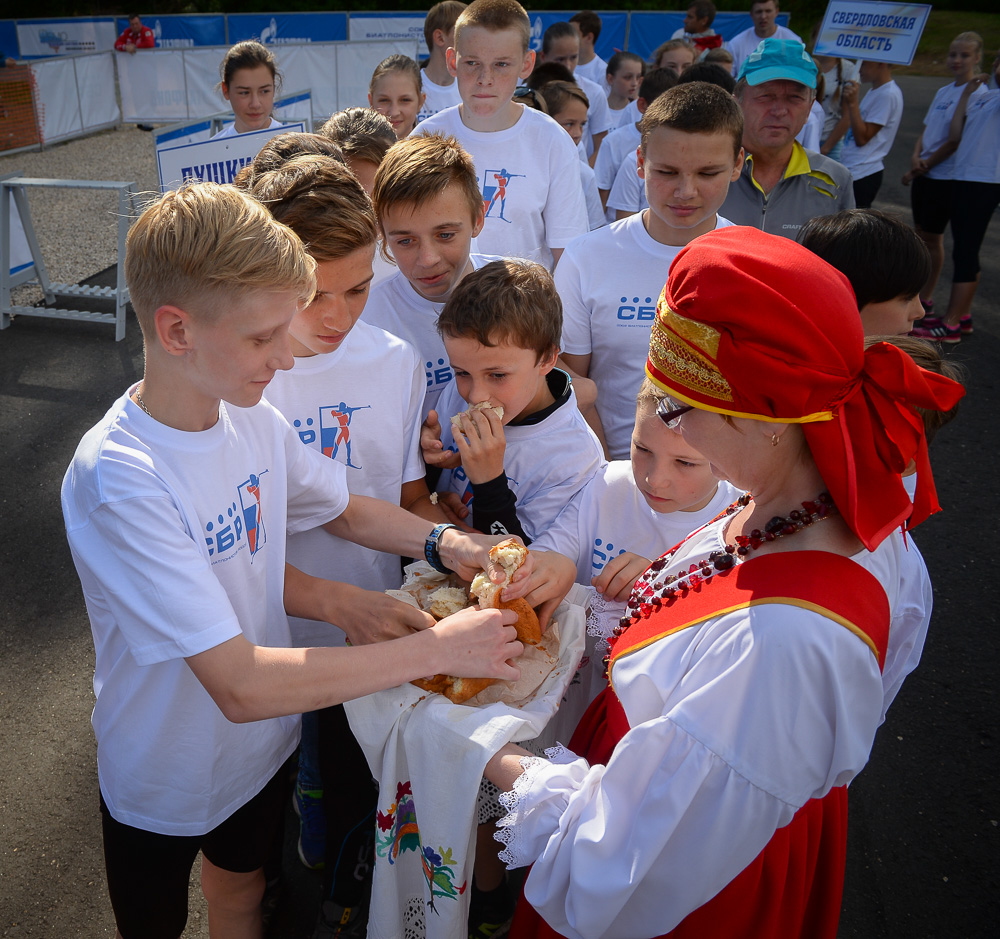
[[516, 462], [532, 206], [177, 505], [609, 281], [440, 88], [429, 210]]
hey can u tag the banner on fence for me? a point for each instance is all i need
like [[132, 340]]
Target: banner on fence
[[43, 38], [213, 161], [648, 30], [184, 32], [878, 32], [294, 28]]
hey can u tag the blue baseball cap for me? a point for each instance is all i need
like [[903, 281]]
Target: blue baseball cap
[[776, 59]]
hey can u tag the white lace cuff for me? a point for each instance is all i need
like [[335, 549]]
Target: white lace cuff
[[533, 811], [602, 618]]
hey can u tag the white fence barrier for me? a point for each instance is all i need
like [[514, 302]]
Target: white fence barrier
[[76, 95], [181, 84]]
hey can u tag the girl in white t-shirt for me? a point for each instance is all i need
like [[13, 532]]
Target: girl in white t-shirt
[[932, 164], [249, 78], [624, 76], [976, 127], [397, 91]]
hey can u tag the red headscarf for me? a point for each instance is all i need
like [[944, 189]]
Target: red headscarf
[[754, 325]]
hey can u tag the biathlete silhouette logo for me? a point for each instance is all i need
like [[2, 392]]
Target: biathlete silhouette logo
[[495, 190], [253, 518], [335, 430]]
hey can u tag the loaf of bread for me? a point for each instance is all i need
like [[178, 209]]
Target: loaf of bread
[[509, 556]]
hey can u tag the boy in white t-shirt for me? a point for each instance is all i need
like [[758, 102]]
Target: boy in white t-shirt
[[439, 85], [355, 395], [609, 281], [871, 129], [177, 505], [631, 512], [623, 141], [590, 65], [429, 210], [533, 205], [514, 468]]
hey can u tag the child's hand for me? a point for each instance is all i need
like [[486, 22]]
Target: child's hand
[[478, 644], [547, 582], [849, 95], [431, 447], [455, 510], [376, 617], [619, 575], [481, 445]]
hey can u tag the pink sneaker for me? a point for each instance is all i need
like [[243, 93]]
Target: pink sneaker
[[942, 333]]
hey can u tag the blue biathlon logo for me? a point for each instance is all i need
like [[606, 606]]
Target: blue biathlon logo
[[600, 558], [228, 530]]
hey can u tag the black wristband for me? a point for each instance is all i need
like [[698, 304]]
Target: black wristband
[[431, 553]]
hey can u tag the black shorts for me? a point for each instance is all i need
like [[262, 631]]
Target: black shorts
[[930, 200], [148, 873]]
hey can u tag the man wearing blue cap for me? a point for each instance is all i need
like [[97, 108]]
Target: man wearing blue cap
[[782, 185]]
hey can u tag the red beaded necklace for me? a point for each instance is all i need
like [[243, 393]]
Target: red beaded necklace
[[651, 590]]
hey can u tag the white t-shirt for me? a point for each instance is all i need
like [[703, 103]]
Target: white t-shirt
[[616, 147], [609, 516], [609, 282], [937, 124], [811, 134], [382, 268], [393, 305], [179, 542], [832, 86], [977, 159], [700, 783], [884, 106], [595, 211], [546, 463], [628, 192], [531, 189], [596, 70], [360, 405], [599, 115], [230, 129], [438, 97], [620, 118], [742, 44]]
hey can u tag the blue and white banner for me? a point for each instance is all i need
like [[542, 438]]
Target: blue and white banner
[[296, 28], [878, 32], [8, 39], [42, 38], [184, 32], [388, 26], [647, 30], [216, 161], [611, 40]]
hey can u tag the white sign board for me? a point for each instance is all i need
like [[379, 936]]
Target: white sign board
[[878, 32], [37, 38], [214, 161], [20, 253]]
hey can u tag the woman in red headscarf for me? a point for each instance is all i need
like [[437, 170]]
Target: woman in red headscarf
[[705, 794]]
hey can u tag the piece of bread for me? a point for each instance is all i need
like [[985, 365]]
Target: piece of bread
[[529, 631], [456, 419], [447, 600], [508, 555], [456, 690]]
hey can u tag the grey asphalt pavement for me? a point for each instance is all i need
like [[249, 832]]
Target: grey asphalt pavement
[[923, 839]]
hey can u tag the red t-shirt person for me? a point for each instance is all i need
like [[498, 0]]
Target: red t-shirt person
[[135, 36]]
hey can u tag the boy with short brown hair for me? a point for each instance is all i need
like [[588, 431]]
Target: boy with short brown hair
[[177, 504], [610, 280], [429, 211], [532, 206], [440, 88], [516, 462]]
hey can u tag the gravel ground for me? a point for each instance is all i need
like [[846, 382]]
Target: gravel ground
[[73, 252]]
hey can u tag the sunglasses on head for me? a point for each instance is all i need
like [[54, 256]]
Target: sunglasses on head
[[670, 412]]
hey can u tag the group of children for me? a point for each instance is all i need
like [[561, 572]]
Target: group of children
[[309, 334]]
